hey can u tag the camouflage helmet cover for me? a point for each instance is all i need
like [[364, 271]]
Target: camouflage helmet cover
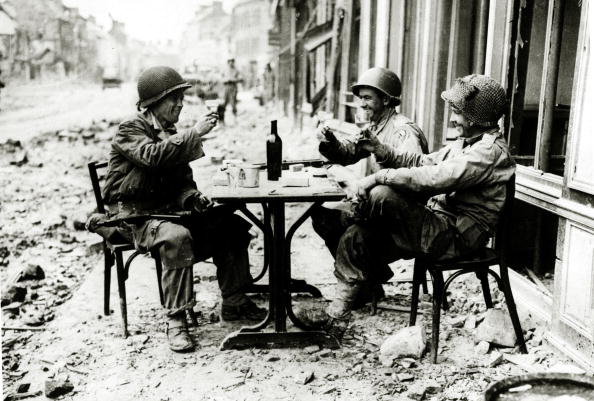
[[480, 98], [157, 82]]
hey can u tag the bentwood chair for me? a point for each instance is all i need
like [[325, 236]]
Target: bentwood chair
[[480, 264], [113, 251]]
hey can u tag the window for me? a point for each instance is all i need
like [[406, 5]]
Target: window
[[541, 73]]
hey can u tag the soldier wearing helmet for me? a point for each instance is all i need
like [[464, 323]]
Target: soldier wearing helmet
[[148, 173], [378, 90], [466, 181]]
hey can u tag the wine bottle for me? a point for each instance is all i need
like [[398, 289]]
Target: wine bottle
[[274, 153]]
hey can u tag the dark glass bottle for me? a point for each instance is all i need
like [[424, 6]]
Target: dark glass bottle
[[274, 153]]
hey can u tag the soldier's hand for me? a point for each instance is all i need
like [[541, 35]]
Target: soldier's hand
[[324, 133], [368, 140], [201, 203], [364, 185], [206, 123]]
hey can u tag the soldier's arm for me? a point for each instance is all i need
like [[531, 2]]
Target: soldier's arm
[[181, 148], [341, 152], [459, 172]]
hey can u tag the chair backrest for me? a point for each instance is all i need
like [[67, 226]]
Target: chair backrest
[[503, 225], [96, 172]]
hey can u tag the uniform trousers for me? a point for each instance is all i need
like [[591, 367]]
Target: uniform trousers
[[217, 233]]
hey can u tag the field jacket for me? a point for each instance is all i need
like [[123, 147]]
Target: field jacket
[[466, 178], [393, 130], [149, 167]]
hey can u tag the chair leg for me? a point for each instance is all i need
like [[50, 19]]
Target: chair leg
[[159, 268], [483, 276], [424, 285], [438, 294], [511, 307], [122, 290], [108, 262], [419, 278]]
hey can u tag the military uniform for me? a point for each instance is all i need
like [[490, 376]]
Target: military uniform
[[394, 131], [231, 78], [469, 175], [149, 172]]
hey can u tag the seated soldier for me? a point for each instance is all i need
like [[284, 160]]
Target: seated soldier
[[149, 172], [467, 179], [378, 90]]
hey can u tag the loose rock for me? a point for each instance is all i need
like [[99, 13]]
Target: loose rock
[[14, 293], [497, 328], [31, 272], [57, 387], [407, 342]]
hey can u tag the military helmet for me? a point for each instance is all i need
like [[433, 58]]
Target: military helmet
[[157, 82], [381, 79], [479, 98]]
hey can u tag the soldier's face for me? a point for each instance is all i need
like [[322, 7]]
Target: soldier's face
[[460, 123], [170, 107], [372, 103]]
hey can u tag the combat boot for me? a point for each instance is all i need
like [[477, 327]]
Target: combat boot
[[177, 333], [335, 319]]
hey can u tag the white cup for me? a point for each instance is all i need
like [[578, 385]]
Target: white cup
[[248, 176]]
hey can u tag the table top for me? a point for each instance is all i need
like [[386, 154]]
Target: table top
[[319, 189]]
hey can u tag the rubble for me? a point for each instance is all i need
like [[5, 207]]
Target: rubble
[[14, 293], [304, 377], [497, 328], [407, 342], [31, 272], [54, 388]]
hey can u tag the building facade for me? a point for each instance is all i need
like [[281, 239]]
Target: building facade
[[205, 41], [249, 38]]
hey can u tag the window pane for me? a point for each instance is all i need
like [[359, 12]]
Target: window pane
[[569, 37], [526, 136]]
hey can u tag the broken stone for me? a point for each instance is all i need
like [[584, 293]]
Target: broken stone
[[57, 387], [565, 368], [13, 308], [525, 361], [14, 293], [494, 359], [407, 363], [404, 377], [470, 322], [457, 321], [311, 349], [325, 353], [497, 329], [34, 319], [407, 342], [31, 272], [304, 377], [482, 348]]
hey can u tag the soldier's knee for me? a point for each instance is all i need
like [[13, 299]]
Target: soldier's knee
[[176, 249], [382, 197]]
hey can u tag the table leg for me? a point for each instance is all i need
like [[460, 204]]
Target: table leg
[[280, 297]]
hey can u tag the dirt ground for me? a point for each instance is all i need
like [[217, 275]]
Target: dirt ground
[[47, 135]]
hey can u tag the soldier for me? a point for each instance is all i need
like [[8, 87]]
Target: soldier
[[466, 178], [149, 172], [231, 78], [378, 90]]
